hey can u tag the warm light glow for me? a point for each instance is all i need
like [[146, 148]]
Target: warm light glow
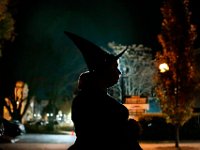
[[163, 67]]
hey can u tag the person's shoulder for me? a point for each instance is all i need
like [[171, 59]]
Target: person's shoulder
[[81, 97]]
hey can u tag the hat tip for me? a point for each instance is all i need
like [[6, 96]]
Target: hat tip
[[67, 33], [122, 52]]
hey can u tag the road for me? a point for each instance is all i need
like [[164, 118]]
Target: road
[[46, 138], [62, 142]]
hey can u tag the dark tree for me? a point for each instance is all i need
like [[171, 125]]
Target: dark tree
[[176, 84]]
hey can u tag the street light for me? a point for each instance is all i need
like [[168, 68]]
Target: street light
[[163, 67]]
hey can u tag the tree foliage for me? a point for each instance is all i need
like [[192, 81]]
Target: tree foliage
[[175, 87], [6, 23], [6, 35]]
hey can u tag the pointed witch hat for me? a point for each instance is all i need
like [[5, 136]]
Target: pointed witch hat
[[95, 57]]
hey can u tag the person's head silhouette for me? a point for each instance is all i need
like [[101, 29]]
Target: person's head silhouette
[[101, 64]]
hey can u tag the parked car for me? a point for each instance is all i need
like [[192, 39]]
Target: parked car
[[5, 138], [1, 128], [37, 122], [13, 128]]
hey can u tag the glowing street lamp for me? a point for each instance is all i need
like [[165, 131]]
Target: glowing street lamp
[[163, 67]]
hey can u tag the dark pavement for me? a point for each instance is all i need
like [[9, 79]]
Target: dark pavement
[[62, 142]]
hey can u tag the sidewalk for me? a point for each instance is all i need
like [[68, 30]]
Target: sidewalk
[[170, 145], [145, 146]]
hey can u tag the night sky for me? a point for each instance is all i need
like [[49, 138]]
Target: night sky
[[43, 56]]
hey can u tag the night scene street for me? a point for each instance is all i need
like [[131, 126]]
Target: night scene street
[[107, 68]]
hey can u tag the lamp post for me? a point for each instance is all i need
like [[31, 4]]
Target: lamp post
[[163, 67], [122, 68], [123, 92]]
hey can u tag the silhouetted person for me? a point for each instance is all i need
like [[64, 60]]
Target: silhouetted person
[[84, 80], [100, 121]]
